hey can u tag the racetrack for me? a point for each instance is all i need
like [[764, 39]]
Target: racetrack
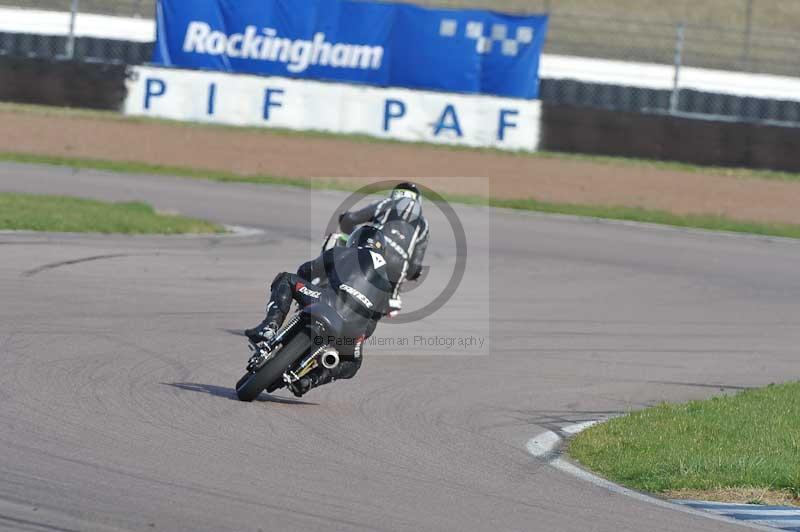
[[116, 372]]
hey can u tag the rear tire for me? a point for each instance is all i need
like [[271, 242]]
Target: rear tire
[[251, 385]]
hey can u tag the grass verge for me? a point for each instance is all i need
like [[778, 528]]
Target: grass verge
[[635, 214], [743, 447], [739, 173], [75, 215]]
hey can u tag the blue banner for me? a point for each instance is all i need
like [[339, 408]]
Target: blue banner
[[399, 45]]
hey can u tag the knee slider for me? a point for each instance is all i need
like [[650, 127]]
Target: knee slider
[[282, 291], [280, 279]]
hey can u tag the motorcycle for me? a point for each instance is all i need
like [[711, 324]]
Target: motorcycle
[[312, 336], [302, 345]]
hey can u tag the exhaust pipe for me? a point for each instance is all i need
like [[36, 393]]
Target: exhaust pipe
[[330, 358]]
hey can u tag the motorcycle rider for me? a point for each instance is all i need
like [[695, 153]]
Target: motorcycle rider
[[365, 248], [404, 227]]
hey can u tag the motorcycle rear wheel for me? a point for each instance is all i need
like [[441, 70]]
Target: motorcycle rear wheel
[[251, 385]]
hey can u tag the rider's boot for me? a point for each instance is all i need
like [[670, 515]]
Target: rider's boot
[[263, 332], [280, 300], [316, 377]]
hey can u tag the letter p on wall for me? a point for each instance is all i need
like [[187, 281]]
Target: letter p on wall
[[153, 88], [392, 109]]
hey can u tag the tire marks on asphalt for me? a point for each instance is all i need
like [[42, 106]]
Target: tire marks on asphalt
[[54, 265]]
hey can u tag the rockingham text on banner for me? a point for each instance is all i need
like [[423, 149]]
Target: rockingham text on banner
[[384, 44]]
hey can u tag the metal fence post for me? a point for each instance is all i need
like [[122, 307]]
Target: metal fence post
[[748, 34], [673, 99], [70, 51]]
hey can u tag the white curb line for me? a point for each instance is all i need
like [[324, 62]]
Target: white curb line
[[545, 447], [239, 230]]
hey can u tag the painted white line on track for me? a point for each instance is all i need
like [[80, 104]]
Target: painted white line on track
[[579, 427], [765, 513], [543, 444], [544, 447], [239, 230], [780, 517]]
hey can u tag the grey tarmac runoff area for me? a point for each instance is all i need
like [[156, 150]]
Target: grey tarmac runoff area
[[118, 356]]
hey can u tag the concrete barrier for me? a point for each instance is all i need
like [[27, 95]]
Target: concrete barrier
[[306, 105], [62, 83]]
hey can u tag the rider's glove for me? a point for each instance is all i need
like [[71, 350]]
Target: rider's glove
[[395, 305]]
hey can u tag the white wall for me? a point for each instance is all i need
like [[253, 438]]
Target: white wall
[[401, 114], [654, 76], [41, 22]]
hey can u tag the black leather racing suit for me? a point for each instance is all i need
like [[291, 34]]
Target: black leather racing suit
[[406, 232], [298, 287]]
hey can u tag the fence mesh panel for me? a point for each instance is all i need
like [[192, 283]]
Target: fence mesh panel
[[121, 8], [756, 36]]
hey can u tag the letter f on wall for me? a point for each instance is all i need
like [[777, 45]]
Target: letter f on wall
[[269, 102], [504, 123]]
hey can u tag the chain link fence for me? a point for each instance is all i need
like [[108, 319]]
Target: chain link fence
[[52, 33], [740, 35], [658, 41], [87, 49], [119, 8]]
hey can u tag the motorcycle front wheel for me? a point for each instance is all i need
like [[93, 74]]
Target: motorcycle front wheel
[[252, 384]]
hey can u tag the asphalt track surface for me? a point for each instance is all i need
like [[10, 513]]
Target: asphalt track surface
[[118, 356]]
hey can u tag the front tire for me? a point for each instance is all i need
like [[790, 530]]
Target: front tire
[[251, 385]]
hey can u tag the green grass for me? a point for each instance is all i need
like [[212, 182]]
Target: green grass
[[711, 222], [747, 440], [75, 215], [635, 214]]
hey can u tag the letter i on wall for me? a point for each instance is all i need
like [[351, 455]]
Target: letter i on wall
[[212, 97]]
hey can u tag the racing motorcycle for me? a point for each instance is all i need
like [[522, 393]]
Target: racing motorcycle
[[312, 336], [299, 347]]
